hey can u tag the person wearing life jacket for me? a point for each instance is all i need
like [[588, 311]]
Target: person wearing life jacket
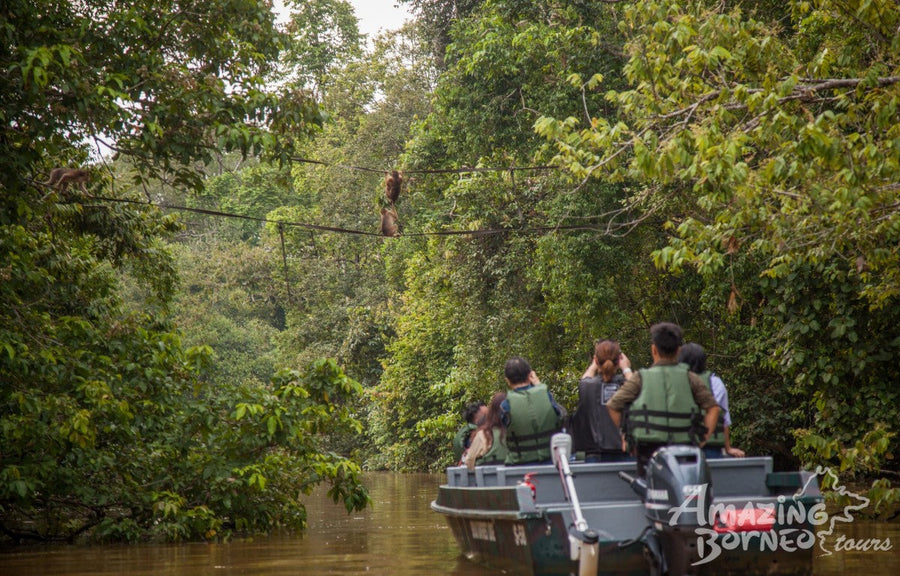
[[719, 444], [489, 441], [664, 401], [593, 431], [529, 413], [474, 415]]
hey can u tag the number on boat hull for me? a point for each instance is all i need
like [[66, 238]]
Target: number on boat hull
[[519, 535], [483, 531]]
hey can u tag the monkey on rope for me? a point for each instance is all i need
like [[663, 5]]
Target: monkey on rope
[[389, 225], [392, 183], [62, 178]]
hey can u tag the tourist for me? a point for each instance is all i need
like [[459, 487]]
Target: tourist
[[489, 441], [529, 413], [662, 398], [718, 445], [474, 415], [593, 430]]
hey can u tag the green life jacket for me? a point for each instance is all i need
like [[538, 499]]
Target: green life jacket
[[717, 438], [664, 412], [532, 421], [461, 440], [498, 452]]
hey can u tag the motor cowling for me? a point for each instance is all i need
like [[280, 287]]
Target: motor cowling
[[676, 501], [679, 488]]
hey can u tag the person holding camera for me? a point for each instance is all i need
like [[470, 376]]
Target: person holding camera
[[593, 430]]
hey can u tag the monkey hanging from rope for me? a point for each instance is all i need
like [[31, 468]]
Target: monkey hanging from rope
[[392, 182], [389, 225]]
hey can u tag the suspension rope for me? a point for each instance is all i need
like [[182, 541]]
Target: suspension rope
[[509, 169], [282, 223]]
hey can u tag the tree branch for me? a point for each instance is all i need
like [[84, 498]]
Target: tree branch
[[798, 93]]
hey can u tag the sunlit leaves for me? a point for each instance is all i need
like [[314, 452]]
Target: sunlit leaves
[[325, 37]]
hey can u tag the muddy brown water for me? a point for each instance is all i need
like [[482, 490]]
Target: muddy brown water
[[398, 536]]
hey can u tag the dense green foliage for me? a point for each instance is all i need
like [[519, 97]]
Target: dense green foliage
[[325, 36], [571, 170], [563, 258], [110, 426], [471, 301], [773, 159], [735, 164]]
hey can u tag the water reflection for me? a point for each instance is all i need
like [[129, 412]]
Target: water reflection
[[398, 536], [859, 547]]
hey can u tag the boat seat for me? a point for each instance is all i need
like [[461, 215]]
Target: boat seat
[[740, 476]]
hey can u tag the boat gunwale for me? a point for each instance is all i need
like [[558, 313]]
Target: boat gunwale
[[482, 514]]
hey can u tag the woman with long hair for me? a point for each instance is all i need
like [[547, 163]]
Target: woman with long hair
[[489, 443]]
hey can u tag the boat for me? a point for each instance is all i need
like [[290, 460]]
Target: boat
[[687, 515]]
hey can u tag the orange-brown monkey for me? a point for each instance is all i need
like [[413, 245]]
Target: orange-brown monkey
[[61, 178], [389, 225], [392, 183]]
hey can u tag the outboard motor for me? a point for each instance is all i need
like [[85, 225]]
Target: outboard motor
[[676, 493]]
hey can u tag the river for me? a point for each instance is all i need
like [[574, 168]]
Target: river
[[398, 536]]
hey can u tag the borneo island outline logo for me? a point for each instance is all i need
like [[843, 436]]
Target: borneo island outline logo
[[788, 524]]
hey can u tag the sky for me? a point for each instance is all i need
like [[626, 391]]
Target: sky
[[375, 15]]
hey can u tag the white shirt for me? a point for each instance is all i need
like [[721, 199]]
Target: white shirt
[[721, 395]]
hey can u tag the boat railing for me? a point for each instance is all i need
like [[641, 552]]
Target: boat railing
[[599, 482]]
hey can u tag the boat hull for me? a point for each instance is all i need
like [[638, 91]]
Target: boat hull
[[497, 520]]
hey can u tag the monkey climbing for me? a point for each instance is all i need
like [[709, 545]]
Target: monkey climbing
[[392, 183], [389, 225], [62, 178]]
